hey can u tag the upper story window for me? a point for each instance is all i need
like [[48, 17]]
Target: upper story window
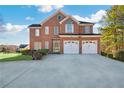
[[37, 32], [59, 17], [46, 30], [69, 27], [56, 30], [87, 30]]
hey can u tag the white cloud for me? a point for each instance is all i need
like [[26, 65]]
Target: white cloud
[[45, 8], [93, 17], [11, 28], [58, 6], [95, 28], [48, 8], [28, 18]]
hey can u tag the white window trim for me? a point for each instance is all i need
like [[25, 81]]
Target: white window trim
[[37, 32], [46, 30], [66, 30]]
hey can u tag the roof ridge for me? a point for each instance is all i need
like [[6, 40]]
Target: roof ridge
[[58, 11]]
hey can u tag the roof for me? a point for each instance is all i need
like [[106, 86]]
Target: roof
[[82, 22], [68, 16], [34, 25], [58, 11], [78, 34], [23, 45]]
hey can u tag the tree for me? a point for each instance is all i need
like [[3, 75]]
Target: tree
[[113, 29]]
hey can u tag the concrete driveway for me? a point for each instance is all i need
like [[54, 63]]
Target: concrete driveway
[[63, 71]]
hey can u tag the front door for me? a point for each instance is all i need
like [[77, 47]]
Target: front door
[[56, 46]]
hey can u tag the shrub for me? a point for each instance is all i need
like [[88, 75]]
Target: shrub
[[43, 51], [103, 54], [119, 55], [6, 50], [36, 55], [26, 52], [110, 55]]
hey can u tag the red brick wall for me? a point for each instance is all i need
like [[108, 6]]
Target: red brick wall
[[42, 38], [51, 23]]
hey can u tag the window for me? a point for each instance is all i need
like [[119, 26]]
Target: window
[[87, 29], [59, 17], [37, 32], [56, 30], [69, 28], [37, 45], [47, 44], [46, 30]]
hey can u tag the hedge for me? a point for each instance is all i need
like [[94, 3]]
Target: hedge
[[36, 54], [26, 52], [110, 55], [103, 54], [43, 51], [120, 55]]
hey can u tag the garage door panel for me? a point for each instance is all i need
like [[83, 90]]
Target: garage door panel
[[89, 47], [71, 47]]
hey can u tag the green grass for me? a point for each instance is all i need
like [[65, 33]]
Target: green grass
[[13, 57]]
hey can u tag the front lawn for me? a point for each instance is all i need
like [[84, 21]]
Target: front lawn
[[13, 57]]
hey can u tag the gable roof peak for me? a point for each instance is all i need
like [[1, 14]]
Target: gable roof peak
[[58, 11], [69, 16]]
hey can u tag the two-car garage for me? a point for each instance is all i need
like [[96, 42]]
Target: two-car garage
[[86, 47]]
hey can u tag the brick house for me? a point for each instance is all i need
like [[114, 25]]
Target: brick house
[[61, 33]]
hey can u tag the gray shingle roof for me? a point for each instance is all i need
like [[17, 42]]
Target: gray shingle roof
[[82, 22], [34, 25], [39, 25]]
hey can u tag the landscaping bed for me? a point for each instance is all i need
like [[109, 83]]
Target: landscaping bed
[[36, 54], [23, 55], [119, 55]]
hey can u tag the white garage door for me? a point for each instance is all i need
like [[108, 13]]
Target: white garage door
[[89, 47], [71, 47]]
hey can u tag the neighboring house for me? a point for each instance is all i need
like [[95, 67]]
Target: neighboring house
[[10, 48], [23, 47], [61, 33]]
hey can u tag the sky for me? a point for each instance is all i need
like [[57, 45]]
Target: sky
[[15, 19]]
